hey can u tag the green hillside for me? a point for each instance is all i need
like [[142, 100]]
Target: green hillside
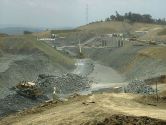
[[29, 45], [154, 31]]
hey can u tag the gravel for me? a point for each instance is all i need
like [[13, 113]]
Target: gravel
[[65, 84], [15, 102], [140, 87]]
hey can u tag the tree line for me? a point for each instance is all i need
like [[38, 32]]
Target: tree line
[[135, 17]]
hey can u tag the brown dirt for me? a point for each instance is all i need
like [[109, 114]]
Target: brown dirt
[[85, 109], [128, 120]]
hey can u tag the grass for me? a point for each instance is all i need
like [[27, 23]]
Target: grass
[[3, 35], [162, 32], [63, 31], [112, 26], [154, 52], [121, 27], [54, 55], [29, 44]]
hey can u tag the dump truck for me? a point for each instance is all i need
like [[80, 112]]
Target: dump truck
[[28, 89]]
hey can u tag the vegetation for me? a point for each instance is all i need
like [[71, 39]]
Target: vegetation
[[63, 31], [28, 44], [135, 17], [27, 32], [3, 35], [163, 32]]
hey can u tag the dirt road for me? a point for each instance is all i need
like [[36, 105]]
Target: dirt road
[[83, 67], [102, 76], [83, 109]]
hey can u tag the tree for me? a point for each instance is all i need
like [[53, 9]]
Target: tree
[[107, 19], [119, 17], [135, 17], [27, 32], [112, 17]]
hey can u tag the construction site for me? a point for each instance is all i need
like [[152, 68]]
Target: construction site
[[110, 72], [82, 77]]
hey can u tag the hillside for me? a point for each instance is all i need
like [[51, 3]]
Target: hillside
[[24, 58], [143, 31], [18, 30], [137, 59], [110, 66], [154, 31], [28, 45], [85, 32]]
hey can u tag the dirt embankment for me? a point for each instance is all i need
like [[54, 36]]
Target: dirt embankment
[[92, 109], [24, 58], [135, 62], [65, 85], [153, 31], [127, 120], [141, 61]]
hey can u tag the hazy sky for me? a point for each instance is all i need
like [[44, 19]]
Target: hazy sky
[[71, 13]]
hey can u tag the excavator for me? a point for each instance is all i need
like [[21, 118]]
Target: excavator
[[28, 89]]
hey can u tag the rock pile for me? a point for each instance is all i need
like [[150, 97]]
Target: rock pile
[[139, 86], [65, 83]]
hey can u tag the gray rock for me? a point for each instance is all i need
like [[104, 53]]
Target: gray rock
[[65, 83], [140, 87]]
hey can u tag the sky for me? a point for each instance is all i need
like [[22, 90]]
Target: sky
[[71, 13]]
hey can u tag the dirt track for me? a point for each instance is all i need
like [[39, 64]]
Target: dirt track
[[102, 77], [84, 109], [105, 74]]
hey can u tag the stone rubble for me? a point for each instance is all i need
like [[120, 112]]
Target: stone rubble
[[139, 87], [65, 84]]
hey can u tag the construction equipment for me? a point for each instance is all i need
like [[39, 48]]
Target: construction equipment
[[28, 89], [152, 43]]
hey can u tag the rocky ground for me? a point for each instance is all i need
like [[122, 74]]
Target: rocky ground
[[14, 103], [139, 87], [131, 60], [16, 68], [135, 60], [66, 84]]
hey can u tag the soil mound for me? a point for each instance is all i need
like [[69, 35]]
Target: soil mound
[[129, 120]]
